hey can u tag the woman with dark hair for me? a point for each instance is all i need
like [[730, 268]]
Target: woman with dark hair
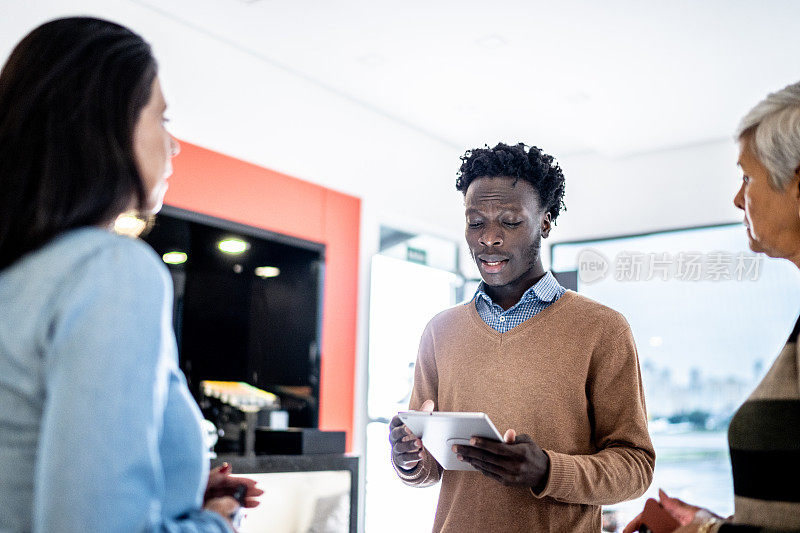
[[98, 431]]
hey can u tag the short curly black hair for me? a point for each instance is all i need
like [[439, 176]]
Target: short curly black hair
[[519, 162]]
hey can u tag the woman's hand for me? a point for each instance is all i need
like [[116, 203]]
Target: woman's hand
[[690, 517], [683, 512], [221, 483], [690, 528], [224, 506], [700, 518]]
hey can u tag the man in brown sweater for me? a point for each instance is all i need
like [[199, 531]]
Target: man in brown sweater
[[554, 370]]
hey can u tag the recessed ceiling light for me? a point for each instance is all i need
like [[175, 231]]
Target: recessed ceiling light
[[233, 246], [174, 258], [577, 97], [492, 42], [267, 272], [371, 60]]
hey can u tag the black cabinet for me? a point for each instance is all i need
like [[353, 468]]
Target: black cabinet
[[247, 306]]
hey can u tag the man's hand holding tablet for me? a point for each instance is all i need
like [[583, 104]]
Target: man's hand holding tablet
[[406, 447], [516, 461]]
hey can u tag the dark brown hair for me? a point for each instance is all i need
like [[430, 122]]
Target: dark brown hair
[[70, 95]]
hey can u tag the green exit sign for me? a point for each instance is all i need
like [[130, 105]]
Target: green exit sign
[[415, 255]]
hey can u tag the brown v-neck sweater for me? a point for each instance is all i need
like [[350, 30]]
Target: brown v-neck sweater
[[568, 377]]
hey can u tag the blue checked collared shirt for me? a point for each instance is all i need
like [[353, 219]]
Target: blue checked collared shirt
[[535, 300]]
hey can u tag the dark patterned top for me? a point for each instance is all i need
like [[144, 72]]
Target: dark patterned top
[[764, 440]]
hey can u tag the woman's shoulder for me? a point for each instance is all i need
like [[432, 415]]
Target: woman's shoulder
[[89, 257], [89, 241], [78, 272], [99, 251], [110, 261]]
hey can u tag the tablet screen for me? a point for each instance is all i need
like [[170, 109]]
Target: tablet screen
[[440, 430]]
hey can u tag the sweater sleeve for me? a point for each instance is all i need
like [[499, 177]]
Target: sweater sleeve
[[99, 466], [426, 386], [622, 466]]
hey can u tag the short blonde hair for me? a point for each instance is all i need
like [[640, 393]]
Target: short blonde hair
[[773, 128]]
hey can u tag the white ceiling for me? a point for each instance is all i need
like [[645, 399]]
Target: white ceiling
[[379, 99]]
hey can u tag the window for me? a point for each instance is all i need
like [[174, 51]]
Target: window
[[709, 317]]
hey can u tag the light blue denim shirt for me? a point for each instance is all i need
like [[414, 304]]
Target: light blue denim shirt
[[535, 300], [98, 431]]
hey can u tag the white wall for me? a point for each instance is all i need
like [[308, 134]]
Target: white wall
[[688, 186]]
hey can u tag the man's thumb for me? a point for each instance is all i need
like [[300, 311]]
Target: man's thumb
[[510, 436], [427, 406]]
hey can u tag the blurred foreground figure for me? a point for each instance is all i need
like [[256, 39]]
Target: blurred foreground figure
[[98, 431]]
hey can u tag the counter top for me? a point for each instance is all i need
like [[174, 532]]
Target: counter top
[[274, 464], [290, 463]]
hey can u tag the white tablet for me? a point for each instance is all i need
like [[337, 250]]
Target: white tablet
[[440, 430]]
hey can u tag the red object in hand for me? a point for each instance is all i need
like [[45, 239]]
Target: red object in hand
[[656, 519]]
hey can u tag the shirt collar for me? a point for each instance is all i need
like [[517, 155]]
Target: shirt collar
[[545, 290]]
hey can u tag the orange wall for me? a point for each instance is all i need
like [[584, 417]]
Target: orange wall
[[214, 184]]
